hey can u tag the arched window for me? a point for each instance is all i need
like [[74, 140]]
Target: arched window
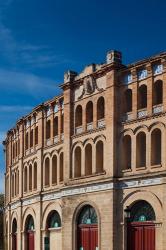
[[35, 176], [87, 216], [156, 147], [25, 179], [87, 228], [142, 211], [77, 162], [29, 225], [47, 172], [30, 177], [55, 130], [99, 157], [31, 139], [48, 130], [16, 149], [14, 235], [61, 167], [15, 184], [62, 123], [141, 149], [88, 159], [54, 169], [142, 97], [126, 152], [12, 185], [14, 226], [53, 220], [89, 112], [78, 116], [30, 236], [128, 100], [26, 141], [158, 92], [36, 135], [17, 188], [100, 108]]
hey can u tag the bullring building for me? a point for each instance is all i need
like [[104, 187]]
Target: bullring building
[[87, 169]]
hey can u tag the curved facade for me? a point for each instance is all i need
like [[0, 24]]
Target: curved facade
[[86, 170]]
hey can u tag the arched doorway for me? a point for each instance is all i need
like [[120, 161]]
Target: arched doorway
[[53, 236], [87, 229], [14, 235], [141, 227], [30, 239]]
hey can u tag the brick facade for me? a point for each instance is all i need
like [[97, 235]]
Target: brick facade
[[101, 143]]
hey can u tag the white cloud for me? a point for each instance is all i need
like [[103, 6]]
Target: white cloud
[[27, 83]]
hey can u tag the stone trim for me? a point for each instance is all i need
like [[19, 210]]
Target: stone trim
[[87, 189]]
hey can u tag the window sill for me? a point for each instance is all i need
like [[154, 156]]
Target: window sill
[[126, 170], [140, 168], [156, 166]]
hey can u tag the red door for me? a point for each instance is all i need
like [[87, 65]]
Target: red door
[[14, 242], [30, 241], [87, 237], [141, 236]]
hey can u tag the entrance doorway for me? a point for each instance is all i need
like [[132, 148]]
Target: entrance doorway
[[87, 229], [141, 227], [14, 235], [30, 239]]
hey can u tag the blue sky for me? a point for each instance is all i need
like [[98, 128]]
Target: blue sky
[[40, 39]]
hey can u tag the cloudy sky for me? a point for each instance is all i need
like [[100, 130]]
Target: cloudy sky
[[40, 39]]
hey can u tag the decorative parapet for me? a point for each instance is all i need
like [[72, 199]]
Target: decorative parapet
[[101, 123], [157, 109], [56, 139], [142, 113], [127, 117], [89, 126], [79, 130]]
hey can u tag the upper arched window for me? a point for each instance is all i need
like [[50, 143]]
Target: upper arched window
[[88, 159], [126, 152], [47, 172], [35, 176], [156, 147], [54, 169], [30, 177], [77, 162], [141, 149], [89, 112], [31, 138], [26, 141], [61, 166], [55, 130], [99, 157], [87, 215], [62, 123], [78, 116], [53, 220], [100, 108], [48, 129], [158, 92], [25, 179], [142, 211], [128, 100], [142, 97], [36, 135]]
